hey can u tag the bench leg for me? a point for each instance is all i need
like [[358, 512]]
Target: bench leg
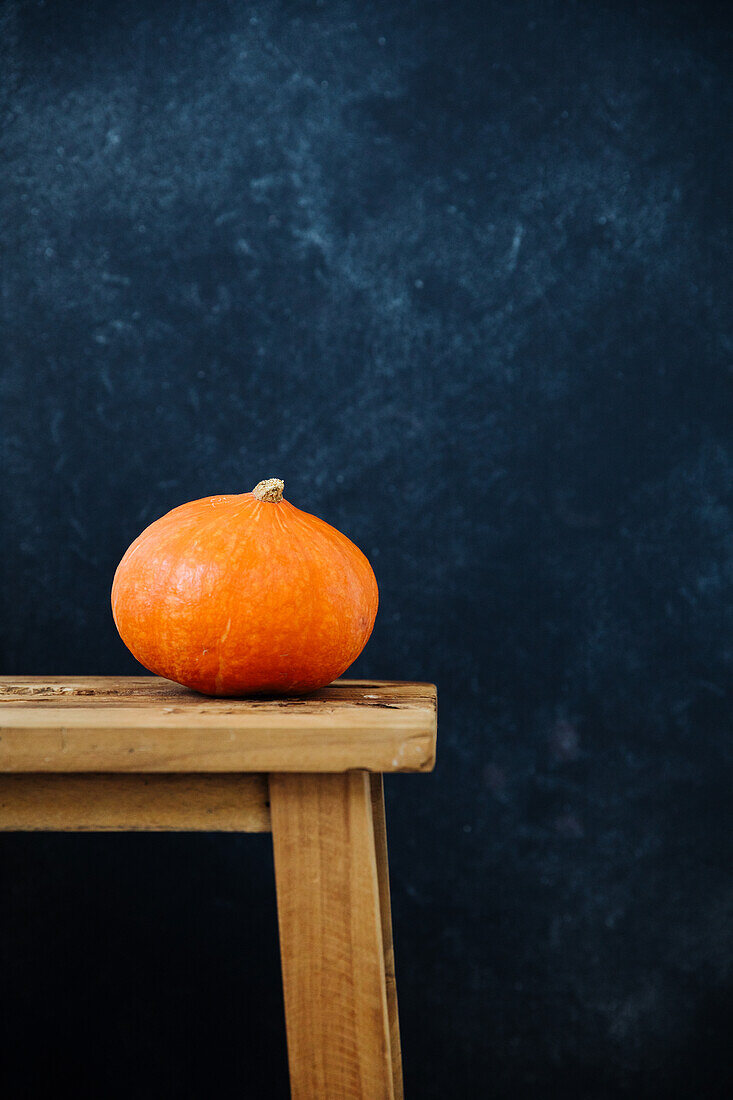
[[385, 908], [335, 936]]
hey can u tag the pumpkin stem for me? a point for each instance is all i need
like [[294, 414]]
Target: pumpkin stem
[[270, 490]]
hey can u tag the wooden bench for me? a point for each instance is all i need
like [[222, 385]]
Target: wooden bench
[[140, 752]]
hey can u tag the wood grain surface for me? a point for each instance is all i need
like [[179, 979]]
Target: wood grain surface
[[331, 938], [113, 803], [149, 724], [376, 785]]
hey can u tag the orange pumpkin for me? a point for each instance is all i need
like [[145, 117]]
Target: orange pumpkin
[[243, 595]]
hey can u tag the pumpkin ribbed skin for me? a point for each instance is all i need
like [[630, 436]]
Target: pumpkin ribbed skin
[[234, 595]]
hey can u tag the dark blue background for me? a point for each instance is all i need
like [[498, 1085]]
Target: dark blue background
[[457, 273]]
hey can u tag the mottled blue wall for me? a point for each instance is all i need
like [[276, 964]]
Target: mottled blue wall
[[457, 273]]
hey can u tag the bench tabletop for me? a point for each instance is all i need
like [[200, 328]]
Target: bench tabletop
[[150, 724]]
